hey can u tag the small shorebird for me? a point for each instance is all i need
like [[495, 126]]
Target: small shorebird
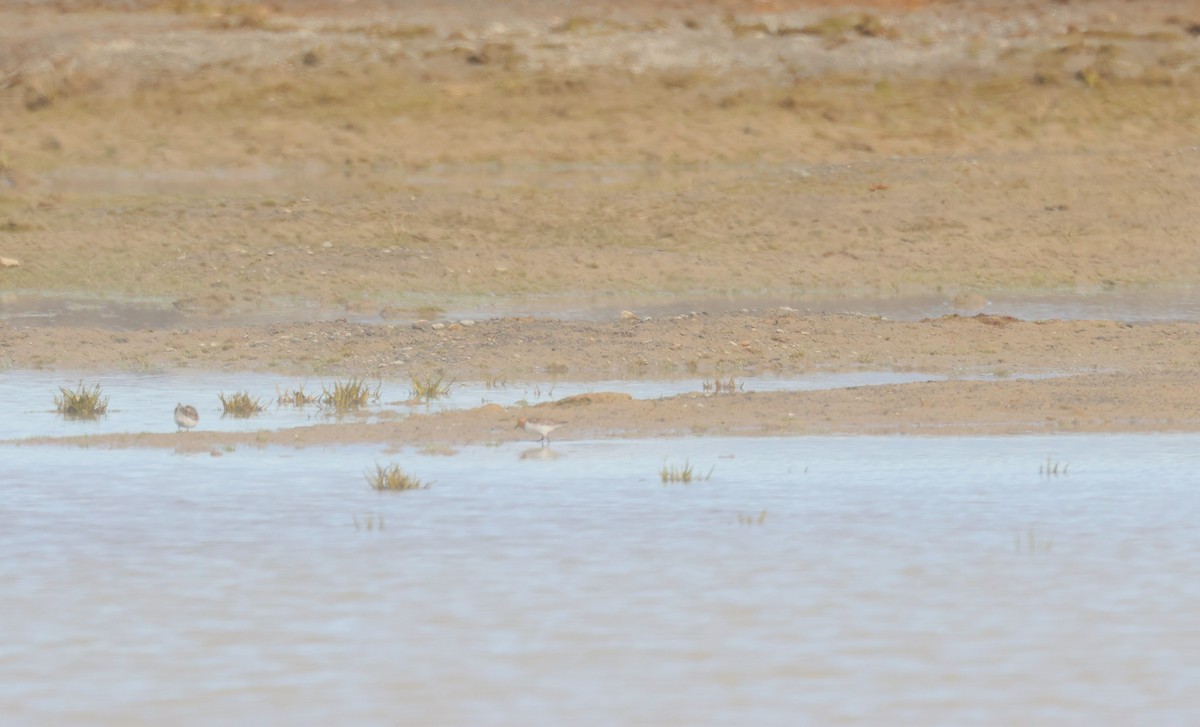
[[186, 416], [541, 426]]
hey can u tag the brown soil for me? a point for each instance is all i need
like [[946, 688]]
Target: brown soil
[[228, 161]]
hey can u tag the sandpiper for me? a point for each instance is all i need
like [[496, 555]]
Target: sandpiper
[[541, 426], [186, 416]]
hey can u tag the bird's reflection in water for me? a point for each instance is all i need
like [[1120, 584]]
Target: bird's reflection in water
[[540, 453]]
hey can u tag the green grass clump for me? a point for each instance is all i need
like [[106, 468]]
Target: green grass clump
[[349, 395], [394, 479], [240, 405], [683, 474], [82, 403], [295, 397], [429, 386]]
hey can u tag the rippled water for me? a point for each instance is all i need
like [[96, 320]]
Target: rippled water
[[891, 581]]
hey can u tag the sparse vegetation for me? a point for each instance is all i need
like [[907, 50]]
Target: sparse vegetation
[[349, 395], [686, 474], [718, 386], [240, 405], [429, 386], [294, 397], [494, 381], [394, 479], [370, 521], [82, 403], [1053, 468], [1032, 543], [751, 519]]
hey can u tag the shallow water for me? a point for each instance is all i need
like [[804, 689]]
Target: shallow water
[[146, 402], [1133, 306], [892, 581]]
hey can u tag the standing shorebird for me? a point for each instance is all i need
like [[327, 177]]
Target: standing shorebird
[[186, 416], [541, 426]]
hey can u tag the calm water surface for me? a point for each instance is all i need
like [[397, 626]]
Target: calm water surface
[[1131, 305], [146, 402], [891, 581]]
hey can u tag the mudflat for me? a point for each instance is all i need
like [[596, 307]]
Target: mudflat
[[319, 188]]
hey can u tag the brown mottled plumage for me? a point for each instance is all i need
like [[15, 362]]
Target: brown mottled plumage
[[186, 416]]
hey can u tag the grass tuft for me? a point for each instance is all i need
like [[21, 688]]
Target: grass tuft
[[240, 405], [82, 403], [684, 474], [429, 386], [394, 479], [295, 397], [349, 395]]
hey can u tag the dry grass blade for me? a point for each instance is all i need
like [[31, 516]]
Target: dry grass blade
[[82, 403]]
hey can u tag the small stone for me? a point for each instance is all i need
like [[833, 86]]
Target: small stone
[[8, 262], [438, 326], [467, 323], [627, 315], [421, 325]]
